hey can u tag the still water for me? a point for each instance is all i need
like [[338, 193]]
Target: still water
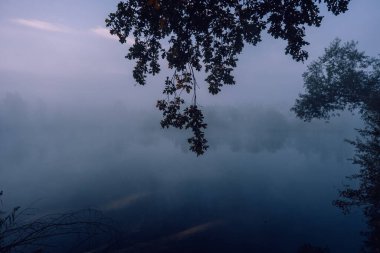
[[266, 184]]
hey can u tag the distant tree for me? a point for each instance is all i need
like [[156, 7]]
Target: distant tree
[[207, 34], [345, 78]]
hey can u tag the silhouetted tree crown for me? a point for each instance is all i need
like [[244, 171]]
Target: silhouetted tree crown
[[207, 34], [343, 78]]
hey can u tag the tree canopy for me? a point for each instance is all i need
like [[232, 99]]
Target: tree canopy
[[207, 35], [345, 78]]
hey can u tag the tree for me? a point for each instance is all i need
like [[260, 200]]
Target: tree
[[345, 78], [207, 34]]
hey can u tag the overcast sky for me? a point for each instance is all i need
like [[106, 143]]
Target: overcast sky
[[60, 51]]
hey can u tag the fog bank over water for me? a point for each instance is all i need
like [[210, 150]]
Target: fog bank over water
[[262, 164], [249, 129], [49, 141]]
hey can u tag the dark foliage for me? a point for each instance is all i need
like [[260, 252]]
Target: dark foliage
[[345, 78], [207, 34]]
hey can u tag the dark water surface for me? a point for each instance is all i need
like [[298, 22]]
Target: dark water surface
[[266, 185]]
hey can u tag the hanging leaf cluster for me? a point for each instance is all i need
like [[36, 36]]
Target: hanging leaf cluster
[[207, 35]]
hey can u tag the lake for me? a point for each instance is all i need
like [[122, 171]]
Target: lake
[[265, 185]]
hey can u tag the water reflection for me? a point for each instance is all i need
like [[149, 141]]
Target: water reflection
[[123, 202], [308, 248]]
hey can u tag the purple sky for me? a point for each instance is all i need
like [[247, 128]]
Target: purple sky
[[60, 51]]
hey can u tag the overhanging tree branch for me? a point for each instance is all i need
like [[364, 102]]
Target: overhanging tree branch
[[208, 35]]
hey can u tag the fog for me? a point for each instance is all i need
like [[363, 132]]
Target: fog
[[281, 172]]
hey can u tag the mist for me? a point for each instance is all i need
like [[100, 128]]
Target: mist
[[118, 159]]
